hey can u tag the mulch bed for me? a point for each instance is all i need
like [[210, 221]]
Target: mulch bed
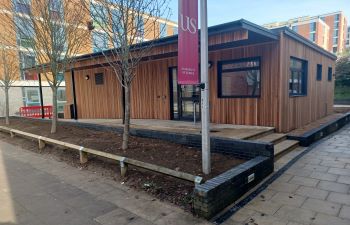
[[315, 124], [162, 153]]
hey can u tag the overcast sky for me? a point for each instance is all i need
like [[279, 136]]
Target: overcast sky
[[266, 11]]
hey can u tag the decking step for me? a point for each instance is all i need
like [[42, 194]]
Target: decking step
[[273, 138], [285, 146]]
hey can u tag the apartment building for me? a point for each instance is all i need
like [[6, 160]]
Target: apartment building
[[348, 38], [327, 30], [25, 92]]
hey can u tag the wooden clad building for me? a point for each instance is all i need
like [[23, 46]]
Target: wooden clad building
[[257, 77]]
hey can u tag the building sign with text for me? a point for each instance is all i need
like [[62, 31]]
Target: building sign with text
[[188, 55]]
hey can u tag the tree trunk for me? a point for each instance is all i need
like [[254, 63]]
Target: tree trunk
[[54, 111], [7, 107], [126, 132]]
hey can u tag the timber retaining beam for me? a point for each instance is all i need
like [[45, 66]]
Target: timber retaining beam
[[83, 152]]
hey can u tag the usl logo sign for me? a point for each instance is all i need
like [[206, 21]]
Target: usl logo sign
[[188, 54]]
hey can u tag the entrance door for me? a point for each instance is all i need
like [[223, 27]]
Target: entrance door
[[185, 99]]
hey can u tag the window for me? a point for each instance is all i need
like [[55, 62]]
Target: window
[[313, 27], [26, 61], [298, 77], [140, 26], [163, 30], [295, 28], [330, 73], [22, 6], [25, 32], [313, 37], [118, 28], [98, 15], [175, 30], [335, 41], [323, 19], [335, 49], [335, 33], [100, 41], [336, 25], [60, 76], [31, 96], [61, 94], [239, 78], [319, 72], [99, 79], [55, 9], [337, 17]]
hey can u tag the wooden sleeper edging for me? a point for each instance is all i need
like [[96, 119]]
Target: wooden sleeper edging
[[124, 161]]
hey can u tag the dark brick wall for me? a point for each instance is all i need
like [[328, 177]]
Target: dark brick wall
[[216, 194], [235, 147], [320, 132]]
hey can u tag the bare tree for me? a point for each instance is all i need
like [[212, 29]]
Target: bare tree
[[124, 25], [8, 75], [54, 32]]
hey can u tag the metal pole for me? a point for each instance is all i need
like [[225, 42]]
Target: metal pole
[[41, 97], [206, 163]]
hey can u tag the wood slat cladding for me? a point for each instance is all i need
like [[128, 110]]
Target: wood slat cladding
[[262, 111], [228, 37], [171, 48], [299, 111], [95, 101]]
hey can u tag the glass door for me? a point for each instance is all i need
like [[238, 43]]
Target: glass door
[[185, 99]]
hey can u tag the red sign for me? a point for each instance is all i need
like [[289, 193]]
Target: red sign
[[188, 55]]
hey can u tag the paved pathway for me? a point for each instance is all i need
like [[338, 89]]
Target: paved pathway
[[35, 190], [315, 190]]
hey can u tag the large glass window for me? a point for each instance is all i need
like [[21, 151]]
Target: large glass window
[[295, 28], [298, 77], [22, 6], [239, 78], [100, 41]]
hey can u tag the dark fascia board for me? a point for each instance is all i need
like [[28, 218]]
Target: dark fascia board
[[305, 41], [221, 28]]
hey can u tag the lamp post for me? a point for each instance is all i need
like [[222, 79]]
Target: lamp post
[[206, 161]]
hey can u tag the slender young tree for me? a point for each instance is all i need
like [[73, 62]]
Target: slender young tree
[[54, 32], [8, 75], [122, 25]]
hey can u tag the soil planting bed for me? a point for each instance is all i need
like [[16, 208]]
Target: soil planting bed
[[162, 153]]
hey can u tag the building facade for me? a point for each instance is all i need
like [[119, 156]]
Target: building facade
[[257, 76], [27, 86], [327, 30], [348, 38]]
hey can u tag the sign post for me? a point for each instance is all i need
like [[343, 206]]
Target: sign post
[[206, 164], [188, 58]]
